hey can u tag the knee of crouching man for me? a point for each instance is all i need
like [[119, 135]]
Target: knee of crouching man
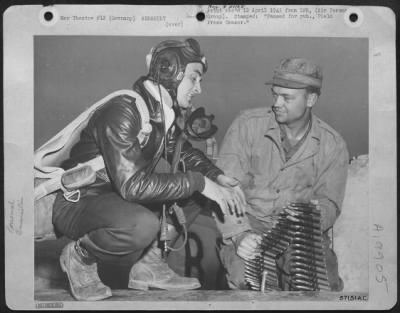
[[146, 229]]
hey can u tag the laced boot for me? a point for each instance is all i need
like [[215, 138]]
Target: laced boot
[[152, 271], [82, 274]]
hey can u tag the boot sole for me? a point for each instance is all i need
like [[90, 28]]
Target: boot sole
[[77, 297], [138, 285]]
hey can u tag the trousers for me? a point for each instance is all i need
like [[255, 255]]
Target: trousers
[[235, 268], [112, 230]]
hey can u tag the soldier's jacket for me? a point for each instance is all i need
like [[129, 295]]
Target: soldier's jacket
[[129, 168], [252, 153]]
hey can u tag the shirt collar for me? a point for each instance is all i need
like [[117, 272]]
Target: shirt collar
[[274, 131]]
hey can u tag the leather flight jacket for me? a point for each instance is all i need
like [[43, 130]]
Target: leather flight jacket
[[129, 167]]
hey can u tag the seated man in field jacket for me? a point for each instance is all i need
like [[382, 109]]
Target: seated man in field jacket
[[116, 220], [281, 155]]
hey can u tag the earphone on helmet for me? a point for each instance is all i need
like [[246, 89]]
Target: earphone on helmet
[[167, 61], [164, 62]]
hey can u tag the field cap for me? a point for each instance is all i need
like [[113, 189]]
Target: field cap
[[297, 73]]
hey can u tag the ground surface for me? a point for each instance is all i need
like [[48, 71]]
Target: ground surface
[[196, 295]]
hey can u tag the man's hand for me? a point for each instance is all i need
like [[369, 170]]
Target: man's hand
[[234, 184], [292, 212], [229, 199], [248, 246], [227, 181]]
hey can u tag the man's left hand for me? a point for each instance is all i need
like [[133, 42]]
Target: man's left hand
[[292, 213]]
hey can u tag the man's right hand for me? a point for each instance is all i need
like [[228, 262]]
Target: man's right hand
[[247, 248], [228, 198]]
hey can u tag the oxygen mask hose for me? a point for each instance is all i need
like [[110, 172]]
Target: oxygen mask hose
[[182, 222], [164, 231]]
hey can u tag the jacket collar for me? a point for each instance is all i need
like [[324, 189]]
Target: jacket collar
[[309, 147], [164, 98], [150, 91], [155, 89]]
